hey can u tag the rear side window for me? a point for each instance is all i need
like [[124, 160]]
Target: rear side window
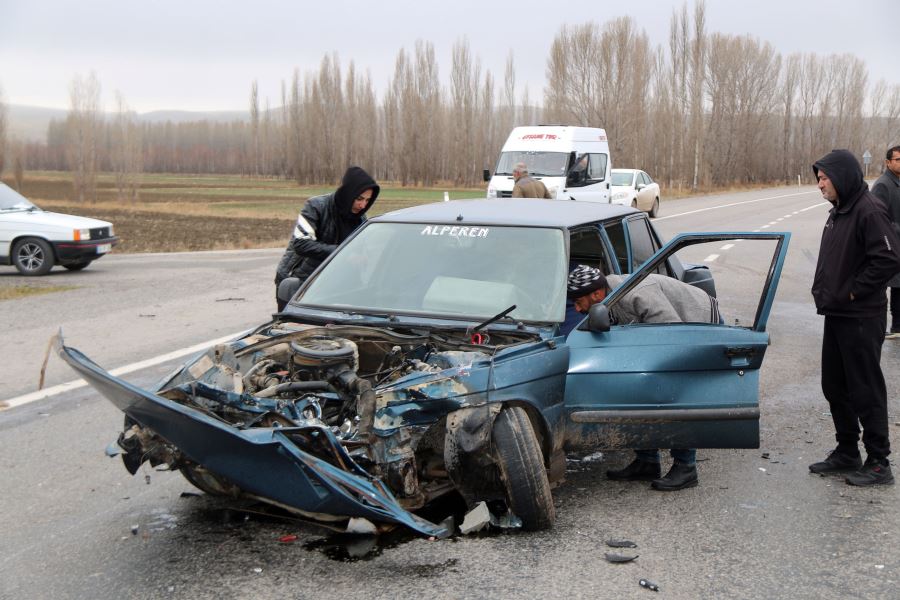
[[642, 245]]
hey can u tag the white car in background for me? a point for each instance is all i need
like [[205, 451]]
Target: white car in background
[[633, 187], [33, 240]]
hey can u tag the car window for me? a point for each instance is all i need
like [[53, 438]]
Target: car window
[[540, 164], [646, 178], [616, 234], [586, 247], [11, 200], [622, 179], [466, 271], [642, 246], [597, 167]]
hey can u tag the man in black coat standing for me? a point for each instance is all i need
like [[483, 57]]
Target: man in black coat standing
[[858, 254], [324, 223], [887, 188]]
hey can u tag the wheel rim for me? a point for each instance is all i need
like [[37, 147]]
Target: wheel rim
[[31, 256]]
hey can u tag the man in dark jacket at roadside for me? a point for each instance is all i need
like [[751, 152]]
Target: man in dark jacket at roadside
[[858, 254], [324, 222], [887, 188]]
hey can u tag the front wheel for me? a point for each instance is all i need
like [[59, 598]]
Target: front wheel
[[522, 471], [33, 256], [654, 210]]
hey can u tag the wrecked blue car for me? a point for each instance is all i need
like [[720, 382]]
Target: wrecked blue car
[[424, 358]]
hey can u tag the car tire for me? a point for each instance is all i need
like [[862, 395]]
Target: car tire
[[654, 210], [522, 471], [77, 266], [33, 256]]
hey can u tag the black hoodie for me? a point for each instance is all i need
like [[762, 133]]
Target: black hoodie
[[324, 223], [859, 251]]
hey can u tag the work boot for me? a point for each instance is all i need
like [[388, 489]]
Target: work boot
[[679, 477], [637, 470], [837, 462], [875, 472]]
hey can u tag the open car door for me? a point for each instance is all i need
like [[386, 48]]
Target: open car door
[[674, 385]]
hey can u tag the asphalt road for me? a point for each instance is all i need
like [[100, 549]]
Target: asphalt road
[[758, 526]]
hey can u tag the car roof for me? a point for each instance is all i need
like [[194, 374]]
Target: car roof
[[626, 170], [508, 211]]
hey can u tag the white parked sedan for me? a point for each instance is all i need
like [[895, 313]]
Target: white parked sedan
[[633, 187], [33, 240]]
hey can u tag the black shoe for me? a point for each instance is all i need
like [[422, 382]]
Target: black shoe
[[637, 470], [874, 472], [679, 477], [837, 462]]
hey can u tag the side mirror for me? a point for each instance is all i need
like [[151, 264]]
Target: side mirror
[[640, 186], [486, 174], [287, 288], [598, 318]]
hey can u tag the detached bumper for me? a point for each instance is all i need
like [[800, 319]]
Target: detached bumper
[[86, 250], [302, 468]]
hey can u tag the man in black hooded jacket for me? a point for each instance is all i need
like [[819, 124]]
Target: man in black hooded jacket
[[324, 222], [858, 254]]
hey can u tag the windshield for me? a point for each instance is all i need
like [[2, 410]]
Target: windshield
[[622, 178], [448, 270], [540, 164], [13, 200]]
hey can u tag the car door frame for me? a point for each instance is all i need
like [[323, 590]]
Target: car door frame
[[670, 385]]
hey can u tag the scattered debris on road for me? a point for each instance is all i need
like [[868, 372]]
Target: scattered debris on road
[[646, 583], [621, 544], [619, 558]]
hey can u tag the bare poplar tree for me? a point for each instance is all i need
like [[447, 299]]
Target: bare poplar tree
[[83, 125], [698, 70], [254, 125], [126, 152]]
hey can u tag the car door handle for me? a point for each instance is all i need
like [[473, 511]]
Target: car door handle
[[740, 352]]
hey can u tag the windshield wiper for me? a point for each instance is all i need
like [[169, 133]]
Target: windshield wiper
[[496, 317]]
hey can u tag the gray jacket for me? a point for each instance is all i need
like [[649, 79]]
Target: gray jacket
[[662, 299], [887, 188]]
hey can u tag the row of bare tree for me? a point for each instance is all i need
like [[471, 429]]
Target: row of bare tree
[[704, 109]]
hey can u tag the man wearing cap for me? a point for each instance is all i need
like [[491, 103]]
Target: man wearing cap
[[324, 222], [656, 299], [858, 254]]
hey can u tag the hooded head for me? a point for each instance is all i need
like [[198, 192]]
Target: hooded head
[[842, 168], [354, 183]]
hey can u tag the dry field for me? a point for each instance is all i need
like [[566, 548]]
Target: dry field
[[205, 212]]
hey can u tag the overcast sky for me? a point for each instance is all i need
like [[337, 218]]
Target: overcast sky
[[204, 54]]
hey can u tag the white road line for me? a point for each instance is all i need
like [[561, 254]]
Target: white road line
[[150, 362], [780, 219], [711, 258], [699, 210], [727, 247], [765, 226], [773, 223]]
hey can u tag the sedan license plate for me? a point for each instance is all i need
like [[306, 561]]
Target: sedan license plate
[[104, 248]]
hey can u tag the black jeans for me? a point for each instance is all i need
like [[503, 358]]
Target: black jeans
[[853, 383]]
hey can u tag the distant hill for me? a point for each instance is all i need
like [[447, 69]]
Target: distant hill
[[30, 122]]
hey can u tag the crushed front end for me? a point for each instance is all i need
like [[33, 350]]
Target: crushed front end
[[327, 421]]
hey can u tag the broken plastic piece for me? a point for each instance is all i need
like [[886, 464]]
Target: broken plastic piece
[[621, 544], [619, 558], [134, 529], [646, 583], [476, 519], [362, 526], [113, 449], [764, 455], [190, 495], [287, 539]]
